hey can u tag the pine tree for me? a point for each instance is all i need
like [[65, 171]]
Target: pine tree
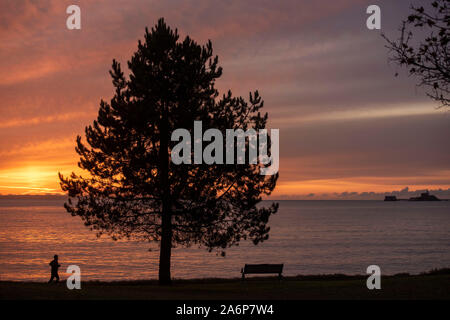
[[133, 190]]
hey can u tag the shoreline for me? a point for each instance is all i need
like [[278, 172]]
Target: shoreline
[[319, 276]]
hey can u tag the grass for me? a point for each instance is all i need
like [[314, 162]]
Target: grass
[[431, 285]]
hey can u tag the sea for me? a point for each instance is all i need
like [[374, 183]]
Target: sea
[[308, 237]]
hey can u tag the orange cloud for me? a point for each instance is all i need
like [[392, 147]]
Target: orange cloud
[[47, 119]]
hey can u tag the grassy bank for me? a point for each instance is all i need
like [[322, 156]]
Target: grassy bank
[[433, 285]]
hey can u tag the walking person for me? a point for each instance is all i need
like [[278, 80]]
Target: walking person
[[54, 269]]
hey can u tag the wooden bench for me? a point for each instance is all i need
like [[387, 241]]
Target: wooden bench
[[262, 269]]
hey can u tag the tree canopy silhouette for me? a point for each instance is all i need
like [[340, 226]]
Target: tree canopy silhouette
[[133, 190], [425, 49]]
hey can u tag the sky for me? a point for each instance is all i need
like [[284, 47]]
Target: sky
[[347, 125]]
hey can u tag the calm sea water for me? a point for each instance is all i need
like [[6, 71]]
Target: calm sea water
[[309, 237]]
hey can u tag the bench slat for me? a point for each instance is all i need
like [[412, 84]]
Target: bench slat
[[263, 268]]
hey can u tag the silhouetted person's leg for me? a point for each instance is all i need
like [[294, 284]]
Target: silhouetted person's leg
[[54, 276]]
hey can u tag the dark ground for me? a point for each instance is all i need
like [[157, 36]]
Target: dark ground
[[432, 285]]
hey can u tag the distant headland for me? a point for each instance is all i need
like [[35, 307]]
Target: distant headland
[[424, 196]]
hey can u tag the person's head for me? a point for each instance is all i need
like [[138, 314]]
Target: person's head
[[55, 256]]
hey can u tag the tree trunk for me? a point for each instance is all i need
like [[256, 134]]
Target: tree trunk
[[166, 250], [166, 219]]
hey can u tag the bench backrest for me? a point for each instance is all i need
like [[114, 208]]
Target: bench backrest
[[263, 268]]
